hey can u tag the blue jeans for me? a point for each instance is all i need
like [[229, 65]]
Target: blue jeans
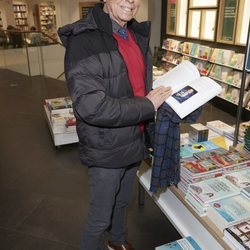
[[111, 192]]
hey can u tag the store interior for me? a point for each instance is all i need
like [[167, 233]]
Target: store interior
[[43, 185]]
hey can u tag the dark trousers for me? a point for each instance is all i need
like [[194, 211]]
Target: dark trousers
[[111, 192]]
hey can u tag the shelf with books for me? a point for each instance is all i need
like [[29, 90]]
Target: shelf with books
[[21, 16], [223, 65], [172, 57], [46, 18], [172, 45], [227, 58], [227, 76]]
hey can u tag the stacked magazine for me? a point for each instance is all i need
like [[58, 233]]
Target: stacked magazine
[[60, 114], [196, 170], [228, 211], [238, 235], [200, 194], [224, 129]]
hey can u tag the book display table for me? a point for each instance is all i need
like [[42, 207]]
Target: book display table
[[180, 214], [60, 138]]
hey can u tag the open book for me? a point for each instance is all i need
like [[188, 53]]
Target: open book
[[190, 91]]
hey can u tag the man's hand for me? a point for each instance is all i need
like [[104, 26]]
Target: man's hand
[[158, 95]]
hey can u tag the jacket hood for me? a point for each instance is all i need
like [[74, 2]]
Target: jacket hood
[[98, 19]]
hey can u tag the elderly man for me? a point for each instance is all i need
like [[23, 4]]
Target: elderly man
[[109, 76]]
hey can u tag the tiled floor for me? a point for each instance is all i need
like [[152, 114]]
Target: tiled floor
[[43, 189]]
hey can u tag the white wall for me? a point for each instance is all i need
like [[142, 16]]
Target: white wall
[[7, 13], [154, 7], [142, 14]]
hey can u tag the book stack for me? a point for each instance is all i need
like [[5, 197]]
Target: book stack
[[196, 170], [226, 130], [199, 195], [240, 178], [187, 243], [247, 139], [60, 114], [228, 211], [187, 150], [220, 127], [198, 132], [246, 192], [238, 235], [231, 160]]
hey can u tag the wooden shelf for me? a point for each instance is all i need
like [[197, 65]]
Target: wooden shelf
[[20, 15], [46, 18]]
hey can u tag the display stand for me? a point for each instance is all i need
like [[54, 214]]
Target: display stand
[[60, 138], [181, 215]]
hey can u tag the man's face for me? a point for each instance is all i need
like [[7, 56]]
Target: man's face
[[121, 11]]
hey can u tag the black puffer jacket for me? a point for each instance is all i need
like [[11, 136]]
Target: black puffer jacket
[[106, 110]]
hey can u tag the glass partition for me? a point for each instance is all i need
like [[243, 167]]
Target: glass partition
[[31, 53]]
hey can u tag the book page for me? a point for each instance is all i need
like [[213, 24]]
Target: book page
[[193, 95], [178, 77]]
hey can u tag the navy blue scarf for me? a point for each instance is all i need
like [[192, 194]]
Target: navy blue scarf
[[166, 162]]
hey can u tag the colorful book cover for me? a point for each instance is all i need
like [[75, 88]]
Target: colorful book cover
[[230, 159], [213, 189], [209, 153], [199, 166], [239, 235], [239, 178], [187, 243], [219, 126], [188, 150], [225, 212]]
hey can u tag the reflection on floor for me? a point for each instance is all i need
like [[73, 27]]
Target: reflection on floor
[[43, 189]]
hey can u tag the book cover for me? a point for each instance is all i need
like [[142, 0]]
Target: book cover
[[187, 243], [190, 91], [187, 150], [239, 235], [209, 153], [230, 158], [219, 126], [198, 168], [227, 211], [213, 189], [240, 178]]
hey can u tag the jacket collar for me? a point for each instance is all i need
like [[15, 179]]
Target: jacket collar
[[98, 19]]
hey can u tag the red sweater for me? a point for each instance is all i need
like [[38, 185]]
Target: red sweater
[[133, 58]]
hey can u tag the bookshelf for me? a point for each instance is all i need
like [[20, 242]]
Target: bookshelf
[[46, 15], [224, 66], [20, 16]]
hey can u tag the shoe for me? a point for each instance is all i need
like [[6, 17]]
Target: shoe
[[125, 246]]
